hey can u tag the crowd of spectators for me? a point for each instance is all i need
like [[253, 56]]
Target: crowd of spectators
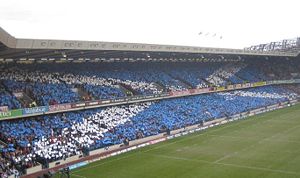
[[8, 100], [25, 143], [225, 75], [57, 83], [54, 137]]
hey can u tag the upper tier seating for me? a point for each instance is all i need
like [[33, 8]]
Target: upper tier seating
[[49, 84]]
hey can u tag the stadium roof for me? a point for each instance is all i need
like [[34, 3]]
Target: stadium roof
[[13, 48]]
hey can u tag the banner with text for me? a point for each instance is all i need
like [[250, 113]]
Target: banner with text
[[35, 110], [3, 108], [11, 113], [179, 93], [59, 107], [258, 84]]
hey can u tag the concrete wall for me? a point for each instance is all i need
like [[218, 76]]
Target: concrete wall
[[213, 121], [34, 169], [103, 150], [67, 160]]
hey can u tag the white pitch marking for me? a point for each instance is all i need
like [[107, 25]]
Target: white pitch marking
[[227, 164]]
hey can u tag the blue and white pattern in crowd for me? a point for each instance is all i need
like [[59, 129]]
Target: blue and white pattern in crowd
[[50, 86], [58, 136]]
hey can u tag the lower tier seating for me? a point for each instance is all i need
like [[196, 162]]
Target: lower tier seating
[[53, 137]]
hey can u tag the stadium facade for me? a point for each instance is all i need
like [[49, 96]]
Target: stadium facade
[[13, 48]]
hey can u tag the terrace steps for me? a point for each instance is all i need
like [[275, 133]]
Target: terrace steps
[[207, 82], [160, 85], [26, 100], [181, 81], [128, 90], [84, 95]]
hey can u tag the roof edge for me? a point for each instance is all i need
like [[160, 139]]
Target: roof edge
[[7, 39], [12, 42]]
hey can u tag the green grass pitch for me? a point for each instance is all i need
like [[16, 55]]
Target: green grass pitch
[[263, 146]]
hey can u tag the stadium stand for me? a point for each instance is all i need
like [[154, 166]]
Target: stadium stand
[[50, 72], [56, 84], [54, 137]]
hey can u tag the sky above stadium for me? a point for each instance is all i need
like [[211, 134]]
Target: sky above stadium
[[206, 23]]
